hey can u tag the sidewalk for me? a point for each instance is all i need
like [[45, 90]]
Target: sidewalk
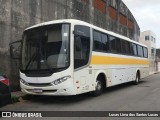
[[151, 73], [18, 94]]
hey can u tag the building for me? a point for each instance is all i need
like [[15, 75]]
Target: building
[[149, 39], [16, 15]]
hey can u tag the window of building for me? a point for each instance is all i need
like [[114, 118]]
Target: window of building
[[130, 24], [113, 3], [100, 5], [123, 19], [147, 37], [152, 50]]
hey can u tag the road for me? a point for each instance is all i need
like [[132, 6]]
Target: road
[[126, 97]]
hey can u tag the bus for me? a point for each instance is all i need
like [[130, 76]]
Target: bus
[[71, 57]]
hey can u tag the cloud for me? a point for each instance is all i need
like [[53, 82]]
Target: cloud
[[141, 3], [147, 14]]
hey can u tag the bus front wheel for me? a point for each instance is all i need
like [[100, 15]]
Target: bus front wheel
[[98, 87]]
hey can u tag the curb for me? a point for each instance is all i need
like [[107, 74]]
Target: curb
[[17, 96]]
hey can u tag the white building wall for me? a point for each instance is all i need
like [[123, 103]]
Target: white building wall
[[158, 67], [151, 44]]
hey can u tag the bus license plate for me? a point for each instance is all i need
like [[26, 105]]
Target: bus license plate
[[38, 90]]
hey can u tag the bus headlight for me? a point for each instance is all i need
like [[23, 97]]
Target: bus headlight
[[60, 80], [24, 82]]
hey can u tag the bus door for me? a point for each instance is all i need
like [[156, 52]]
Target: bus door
[[82, 51]]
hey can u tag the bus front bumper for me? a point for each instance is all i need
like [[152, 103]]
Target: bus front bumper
[[62, 89]]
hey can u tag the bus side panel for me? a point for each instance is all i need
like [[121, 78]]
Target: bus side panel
[[123, 74], [84, 80], [144, 71]]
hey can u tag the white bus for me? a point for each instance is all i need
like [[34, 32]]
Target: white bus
[[70, 57]]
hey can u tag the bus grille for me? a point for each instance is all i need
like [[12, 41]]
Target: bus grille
[[40, 84]]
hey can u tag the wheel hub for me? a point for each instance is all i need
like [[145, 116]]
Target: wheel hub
[[98, 86]]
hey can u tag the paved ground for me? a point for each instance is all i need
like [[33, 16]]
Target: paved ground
[[126, 97]]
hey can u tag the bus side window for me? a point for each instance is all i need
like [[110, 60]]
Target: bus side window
[[113, 44], [134, 49], [97, 41], [101, 41], [105, 42], [118, 46], [145, 52], [123, 46], [140, 51], [128, 49]]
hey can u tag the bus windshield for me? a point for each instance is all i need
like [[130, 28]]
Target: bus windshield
[[45, 48]]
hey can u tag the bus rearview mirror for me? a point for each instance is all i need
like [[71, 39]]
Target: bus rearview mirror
[[15, 49]]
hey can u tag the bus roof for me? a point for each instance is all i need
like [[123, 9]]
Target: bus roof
[[79, 22]]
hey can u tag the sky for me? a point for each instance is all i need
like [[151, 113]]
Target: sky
[[147, 14]]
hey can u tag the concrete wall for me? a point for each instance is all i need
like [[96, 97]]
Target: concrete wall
[[16, 15]]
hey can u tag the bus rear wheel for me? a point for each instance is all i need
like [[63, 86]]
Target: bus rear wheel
[[98, 87], [136, 82]]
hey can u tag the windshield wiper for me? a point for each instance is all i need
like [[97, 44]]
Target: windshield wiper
[[31, 60]]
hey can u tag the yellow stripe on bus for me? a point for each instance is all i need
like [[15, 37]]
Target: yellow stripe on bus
[[116, 60]]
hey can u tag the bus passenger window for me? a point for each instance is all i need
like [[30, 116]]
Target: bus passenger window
[[123, 47], [140, 51], [113, 44], [101, 42], [97, 41], [134, 49], [128, 49], [145, 52], [105, 43], [118, 46]]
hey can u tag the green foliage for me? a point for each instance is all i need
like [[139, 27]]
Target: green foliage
[[14, 99]]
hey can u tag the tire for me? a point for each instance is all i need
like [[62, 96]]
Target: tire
[[98, 88], [136, 82], [5, 100]]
